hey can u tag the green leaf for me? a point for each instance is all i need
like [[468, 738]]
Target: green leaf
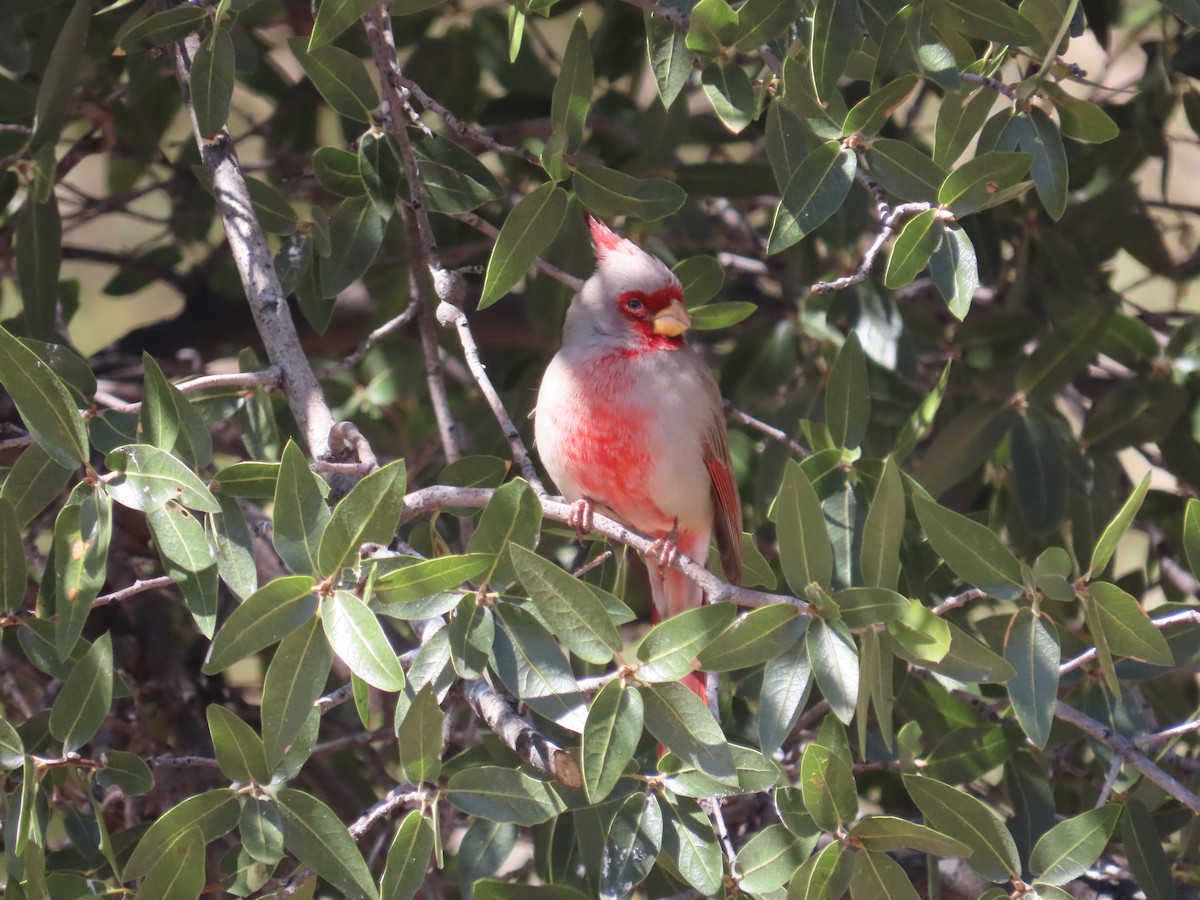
[[420, 738], [971, 550], [1127, 628], [188, 559], [814, 192], [454, 180], [1191, 534], [848, 396], [179, 873], [923, 635], [969, 753], [61, 74], [164, 28], [670, 59], [575, 614], [1070, 848], [239, 749], [982, 181], [828, 788], [759, 636], [260, 827], [573, 90], [472, 633], [229, 535], [368, 514], [212, 82], [762, 21], [150, 478], [786, 683], [712, 316], [267, 616], [631, 845], [274, 213], [82, 533], [883, 834], [1147, 860], [667, 651], [681, 722], [804, 549], [33, 482], [333, 17], [969, 660], [905, 171], [825, 876], [530, 227], [426, 578], [357, 639], [1081, 119], [879, 876], [82, 705], [127, 771], [341, 78], [292, 685], [531, 664], [690, 844], [43, 402], [732, 95], [913, 249], [870, 114], [1115, 530], [834, 661], [313, 832], [1036, 134], [39, 260], [883, 530], [712, 25], [408, 857], [337, 171], [214, 813], [503, 795], [971, 821], [769, 858], [834, 32], [1031, 648], [247, 480], [301, 514], [991, 20], [609, 194], [610, 736], [356, 232], [12, 750]]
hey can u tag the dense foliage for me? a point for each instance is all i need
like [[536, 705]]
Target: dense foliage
[[939, 253]]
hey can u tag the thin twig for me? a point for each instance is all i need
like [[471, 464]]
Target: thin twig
[[991, 83], [138, 587], [270, 377], [1167, 734], [667, 13], [397, 797], [744, 418], [364, 347], [168, 761], [452, 316], [1082, 659], [888, 227], [958, 600]]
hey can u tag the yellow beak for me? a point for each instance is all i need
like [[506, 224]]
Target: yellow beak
[[672, 321]]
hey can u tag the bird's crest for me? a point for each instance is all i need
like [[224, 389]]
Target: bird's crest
[[606, 241]]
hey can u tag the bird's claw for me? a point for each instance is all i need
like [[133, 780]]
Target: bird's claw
[[580, 517], [665, 550]]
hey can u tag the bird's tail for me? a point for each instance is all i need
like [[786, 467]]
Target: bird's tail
[[674, 592]]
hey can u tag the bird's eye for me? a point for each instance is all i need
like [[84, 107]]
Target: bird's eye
[[634, 304]]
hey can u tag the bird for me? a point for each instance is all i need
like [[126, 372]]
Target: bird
[[629, 422]]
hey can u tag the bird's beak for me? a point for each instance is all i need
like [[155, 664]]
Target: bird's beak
[[673, 320]]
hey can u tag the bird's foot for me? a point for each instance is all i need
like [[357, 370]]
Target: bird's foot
[[580, 517], [665, 550]]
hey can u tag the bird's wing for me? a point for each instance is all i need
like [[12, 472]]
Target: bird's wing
[[727, 506]]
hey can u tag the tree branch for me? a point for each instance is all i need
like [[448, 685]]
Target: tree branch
[[270, 377], [521, 737], [890, 218], [440, 496], [248, 245]]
